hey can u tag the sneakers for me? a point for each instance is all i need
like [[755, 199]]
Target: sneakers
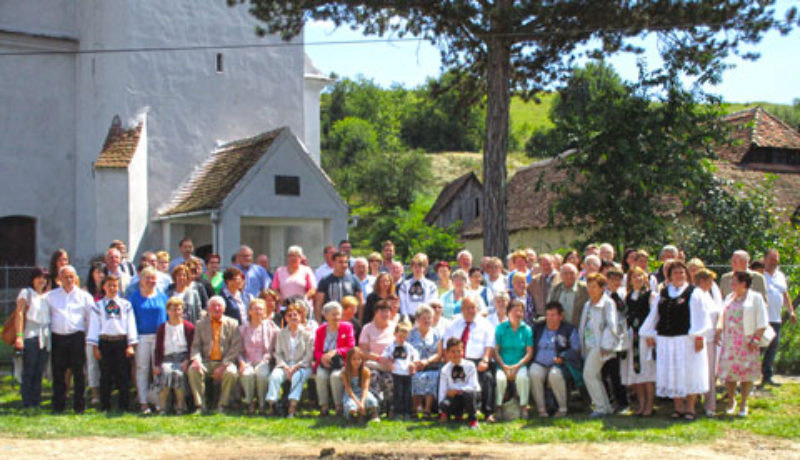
[[473, 425], [743, 412], [731, 409], [597, 414]]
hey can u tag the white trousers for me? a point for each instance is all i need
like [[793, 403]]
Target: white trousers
[[593, 378], [144, 361], [523, 386]]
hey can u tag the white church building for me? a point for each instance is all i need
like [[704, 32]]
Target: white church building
[[147, 121]]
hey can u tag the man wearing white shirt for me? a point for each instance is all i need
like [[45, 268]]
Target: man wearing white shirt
[[69, 310], [777, 298], [477, 335], [361, 271], [327, 266], [112, 334]]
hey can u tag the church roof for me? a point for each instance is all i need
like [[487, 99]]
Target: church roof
[[757, 128], [120, 145], [447, 194], [215, 178]]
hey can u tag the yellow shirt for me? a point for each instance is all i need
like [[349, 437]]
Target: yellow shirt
[[216, 332]]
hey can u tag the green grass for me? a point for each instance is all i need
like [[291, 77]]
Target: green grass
[[774, 414]]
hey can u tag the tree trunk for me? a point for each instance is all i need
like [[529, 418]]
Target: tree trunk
[[495, 218]]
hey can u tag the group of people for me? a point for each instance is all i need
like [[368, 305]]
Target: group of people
[[376, 340]]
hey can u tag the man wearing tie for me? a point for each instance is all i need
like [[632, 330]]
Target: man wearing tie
[[477, 335]]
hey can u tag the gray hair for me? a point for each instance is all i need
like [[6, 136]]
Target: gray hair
[[296, 250], [742, 254], [459, 274], [593, 260], [668, 248], [502, 295], [359, 260], [464, 253], [217, 299], [67, 268], [569, 267], [331, 306], [245, 247], [424, 309]]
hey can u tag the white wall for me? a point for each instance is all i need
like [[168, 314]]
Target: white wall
[[112, 219], [137, 192], [37, 141], [48, 17]]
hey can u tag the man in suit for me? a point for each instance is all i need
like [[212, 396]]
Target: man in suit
[[570, 293], [539, 287], [215, 350], [740, 261]]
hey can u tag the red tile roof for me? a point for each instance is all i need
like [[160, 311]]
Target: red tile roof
[[530, 199], [215, 178], [120, 145], [757, 127]]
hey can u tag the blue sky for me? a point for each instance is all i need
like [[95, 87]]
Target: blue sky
[[775, 77]]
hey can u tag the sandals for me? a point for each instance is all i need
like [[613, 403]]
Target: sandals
[[675, 415], [689, 416]]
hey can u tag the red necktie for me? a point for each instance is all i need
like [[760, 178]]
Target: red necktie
[[465, 337]]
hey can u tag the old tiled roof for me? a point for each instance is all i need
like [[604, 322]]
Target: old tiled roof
[[215, 178], [447, 194], [120, 145], [529, 197], [530, 200], [757, 128], [785, 188]]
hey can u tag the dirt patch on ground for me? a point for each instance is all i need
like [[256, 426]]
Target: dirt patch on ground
[[733, 446]]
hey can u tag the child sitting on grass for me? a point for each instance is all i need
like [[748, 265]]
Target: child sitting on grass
[[458, 385], [400, 356], [355, 379]]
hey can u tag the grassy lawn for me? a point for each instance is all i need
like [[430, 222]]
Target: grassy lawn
[[773, 414]]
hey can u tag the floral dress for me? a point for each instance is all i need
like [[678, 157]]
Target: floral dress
[[425, 382], [737, 363]]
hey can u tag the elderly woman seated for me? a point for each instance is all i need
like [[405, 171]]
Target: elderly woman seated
[[171, 357], [375, 337], [293, 353], [333, 339], [259, 335]]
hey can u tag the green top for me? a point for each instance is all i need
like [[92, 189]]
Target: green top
[[511, 344], [216, 281]]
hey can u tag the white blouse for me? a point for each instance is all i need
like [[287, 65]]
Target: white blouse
[[174, 339]]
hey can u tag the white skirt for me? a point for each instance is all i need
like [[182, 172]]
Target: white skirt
[[680, 371], [647, 365]]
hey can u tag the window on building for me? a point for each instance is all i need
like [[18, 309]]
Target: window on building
[[287, 185], [219, 62], [18, 241]]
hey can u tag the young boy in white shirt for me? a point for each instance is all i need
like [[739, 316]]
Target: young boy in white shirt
[[458, 384], [400, 356]]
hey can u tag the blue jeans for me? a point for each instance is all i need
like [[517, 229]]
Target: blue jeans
[[34, 361], [277, 378], [767, 370]]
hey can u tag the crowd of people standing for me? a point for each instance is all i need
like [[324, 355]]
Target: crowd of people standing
[[460, 340]]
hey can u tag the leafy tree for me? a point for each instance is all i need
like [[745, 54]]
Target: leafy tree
[[640, 153], [408, 230], [391, 180], [350, 140], [442, 117], [524, 46], [730, 217]]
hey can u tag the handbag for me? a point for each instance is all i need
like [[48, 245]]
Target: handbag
[[766, 338], [10, 329]]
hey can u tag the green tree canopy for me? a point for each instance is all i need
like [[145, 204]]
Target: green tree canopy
[[526, 45]]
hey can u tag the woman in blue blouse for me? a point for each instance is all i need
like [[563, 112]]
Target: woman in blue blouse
[[428, 342]]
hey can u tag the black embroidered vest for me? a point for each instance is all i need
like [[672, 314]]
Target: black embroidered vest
[[673, 313]]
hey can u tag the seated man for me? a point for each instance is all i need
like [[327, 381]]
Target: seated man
[[216, 347], [557, 354]]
